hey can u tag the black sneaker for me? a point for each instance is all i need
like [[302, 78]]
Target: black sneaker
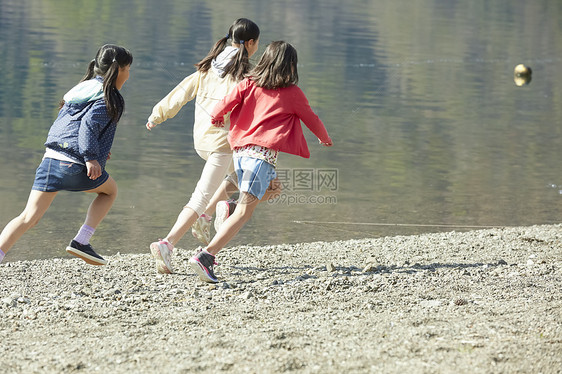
[[224, 209], [86, 253], [203, 263]]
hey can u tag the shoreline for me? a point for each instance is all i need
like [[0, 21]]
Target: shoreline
[[478, 301]]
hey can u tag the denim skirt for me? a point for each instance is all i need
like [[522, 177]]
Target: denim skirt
[[56, 175]]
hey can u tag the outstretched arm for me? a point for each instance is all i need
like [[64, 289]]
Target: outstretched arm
[[309, 118], [170, 105]]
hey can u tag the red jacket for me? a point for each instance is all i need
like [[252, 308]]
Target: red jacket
[[270, 118]]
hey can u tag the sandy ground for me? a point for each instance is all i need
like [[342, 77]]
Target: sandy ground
[[485, 301]]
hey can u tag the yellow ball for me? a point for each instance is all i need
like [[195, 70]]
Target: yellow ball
[[522, 70]]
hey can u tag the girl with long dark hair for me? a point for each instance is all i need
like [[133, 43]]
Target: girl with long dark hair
[[77, 148]]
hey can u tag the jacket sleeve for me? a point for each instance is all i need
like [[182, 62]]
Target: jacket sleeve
[[92, 125], [170, 105], [228, 102], [308, 117]]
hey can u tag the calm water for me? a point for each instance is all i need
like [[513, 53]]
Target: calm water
[[431, 133]]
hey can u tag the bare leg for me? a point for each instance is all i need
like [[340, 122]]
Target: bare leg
[[228, 230], [37, 204], [186, 219], [107, 193]]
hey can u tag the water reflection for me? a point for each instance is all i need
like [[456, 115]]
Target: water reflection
[[428, 124]]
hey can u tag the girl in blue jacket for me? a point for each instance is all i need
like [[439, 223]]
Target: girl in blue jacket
[[77, 148]]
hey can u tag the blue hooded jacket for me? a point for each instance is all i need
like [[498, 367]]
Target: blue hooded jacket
[[84, 129]]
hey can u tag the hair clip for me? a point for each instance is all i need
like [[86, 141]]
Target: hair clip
[[227, 35], [242, 42]]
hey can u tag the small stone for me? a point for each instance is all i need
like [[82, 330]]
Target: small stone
[[430, 303], [369, 268], [330, 267], [247, 295], [29, 314], [460, 302]]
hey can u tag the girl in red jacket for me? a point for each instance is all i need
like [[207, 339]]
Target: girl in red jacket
[[267, 109]]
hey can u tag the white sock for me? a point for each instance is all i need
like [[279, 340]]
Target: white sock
[[84, 234]]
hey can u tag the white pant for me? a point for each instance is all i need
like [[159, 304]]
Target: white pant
[[218, 165]]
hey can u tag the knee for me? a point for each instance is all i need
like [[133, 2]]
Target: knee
[[110, 192]]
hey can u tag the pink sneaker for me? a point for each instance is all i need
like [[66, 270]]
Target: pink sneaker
[[201, 229], [203, 263], [162, 253]]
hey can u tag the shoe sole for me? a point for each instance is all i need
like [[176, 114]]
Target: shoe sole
[[161, 265], [86, 257], [198, 233], [201, 272], [222, 211]]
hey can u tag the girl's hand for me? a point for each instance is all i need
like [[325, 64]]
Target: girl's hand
[[326, 144], [94, 169], [150, 126], [218, 122]]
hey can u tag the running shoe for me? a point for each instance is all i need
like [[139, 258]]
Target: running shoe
[[162, 253], [86, 253], [224, 210], [203, 263], [201, 229]]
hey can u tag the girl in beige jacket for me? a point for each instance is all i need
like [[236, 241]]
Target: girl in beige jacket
[[217, 74]]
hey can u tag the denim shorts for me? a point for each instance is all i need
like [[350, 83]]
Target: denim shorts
[[254, 175], [55, 175]]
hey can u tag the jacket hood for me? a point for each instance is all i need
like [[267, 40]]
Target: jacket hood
[[84, 92], [223, 59]]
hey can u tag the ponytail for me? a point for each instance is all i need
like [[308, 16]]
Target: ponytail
[[205, 64], [240, 31], [90, 72]]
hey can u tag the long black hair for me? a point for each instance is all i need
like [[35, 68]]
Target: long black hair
[[277, 67], [106, 64], [240, 31]]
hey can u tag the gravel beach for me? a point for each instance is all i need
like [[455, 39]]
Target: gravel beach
[[486, 301]]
